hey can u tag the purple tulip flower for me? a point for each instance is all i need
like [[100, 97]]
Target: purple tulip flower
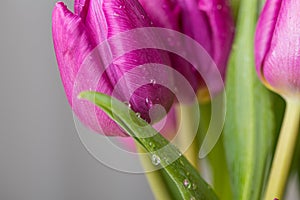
[[277, 46], [209, 22], [76, 35]]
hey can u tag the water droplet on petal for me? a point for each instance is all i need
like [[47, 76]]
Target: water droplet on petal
[[149, 102], [116, 14], [143, 16], [155, 160], [153, 81]]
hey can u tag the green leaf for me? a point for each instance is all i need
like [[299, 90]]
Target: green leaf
[[235, 5], [184, 177], [216, 157], [249, 132]]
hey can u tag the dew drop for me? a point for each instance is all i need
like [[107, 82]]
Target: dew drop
[[219, 7], [149, 102], [155, 160], [116, 14], [138, 115], [186, 183], [153, 81], [152, 145], [128, 104], [143, 16]]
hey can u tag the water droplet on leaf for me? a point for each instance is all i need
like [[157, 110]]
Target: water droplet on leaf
[[155, 160], [138, 115], [186, 183], [127, 104]]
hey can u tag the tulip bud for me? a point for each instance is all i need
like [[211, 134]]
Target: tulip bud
[[76, 35], [277, 47]]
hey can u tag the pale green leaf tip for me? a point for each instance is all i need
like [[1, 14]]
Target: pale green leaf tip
[[83, 95], [87, 95]]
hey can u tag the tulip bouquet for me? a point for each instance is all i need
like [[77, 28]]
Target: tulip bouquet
[[191, 82]]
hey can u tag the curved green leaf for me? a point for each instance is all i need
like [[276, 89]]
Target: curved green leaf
[[184, 177], [249, 132]]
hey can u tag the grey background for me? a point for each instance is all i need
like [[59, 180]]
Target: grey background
[[41, 156]]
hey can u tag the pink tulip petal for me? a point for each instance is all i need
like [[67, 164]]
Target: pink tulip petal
[[222, 28], [264, 32], [122, 16], [281, 68], [79, 6], [163, 13], [200, 29], [91, 12], [71, 44]]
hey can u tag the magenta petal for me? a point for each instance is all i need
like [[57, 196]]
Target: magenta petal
[[72, 46], [78, 6], [200, 29], [75, 38], [222, 29], [123, 16], [281, 68], [264, 32], [163, 13], [92, 15]]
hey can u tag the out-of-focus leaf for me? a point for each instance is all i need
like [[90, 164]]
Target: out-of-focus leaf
[[184, 176], [216, 158], [235, 5], [249, 132]]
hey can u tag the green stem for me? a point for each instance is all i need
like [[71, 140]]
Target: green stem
[[187, 141], [155, 178], [284, 151]]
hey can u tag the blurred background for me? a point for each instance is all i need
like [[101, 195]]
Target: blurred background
[[41, 156]]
